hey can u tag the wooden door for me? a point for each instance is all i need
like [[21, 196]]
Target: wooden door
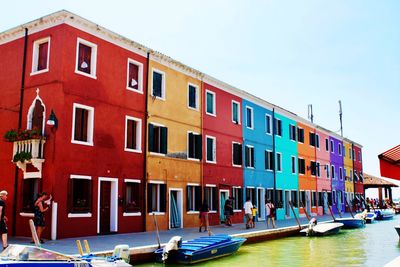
[[105, 207]]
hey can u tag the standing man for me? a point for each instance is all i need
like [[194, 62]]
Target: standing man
[[248, 211], [3, 218]]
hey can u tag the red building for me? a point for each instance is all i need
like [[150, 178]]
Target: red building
[[90, 157], [389, 163], [358, 171], [222, 154]]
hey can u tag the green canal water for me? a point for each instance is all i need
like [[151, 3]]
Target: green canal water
[[374, 245]]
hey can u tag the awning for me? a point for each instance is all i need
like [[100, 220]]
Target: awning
[[361, 177], [389, 162]]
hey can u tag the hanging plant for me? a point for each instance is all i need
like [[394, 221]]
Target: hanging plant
[[22, 156], [11, 135]]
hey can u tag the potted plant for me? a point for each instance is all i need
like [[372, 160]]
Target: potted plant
[[11, 135], [22, 156]]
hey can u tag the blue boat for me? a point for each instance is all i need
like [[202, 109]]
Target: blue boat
[[27, 256], [370, 217], [351, 223], [199, 249], [384, 214]]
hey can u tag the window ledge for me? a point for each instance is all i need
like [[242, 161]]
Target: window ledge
[[212, 211], [131, 214], [139, 91], [85, 74], [26, 214], [156, 154], [133, 150], [38, 72], [237, 210], [193, 212], [82, 143], [79, 215], [157, 213]]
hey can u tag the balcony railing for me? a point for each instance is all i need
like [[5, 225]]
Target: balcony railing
[[34, 147]]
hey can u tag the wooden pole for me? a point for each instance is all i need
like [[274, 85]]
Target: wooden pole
[[305, 211], [330, 210], [34, 234], [340, 213], [294, 213], [79, 246], [158, 234]]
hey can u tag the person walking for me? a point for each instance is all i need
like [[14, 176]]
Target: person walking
[[203, 216], [270, 213], [38, 218], [228, 211], [248, 206], [3, 218], [254, 213]]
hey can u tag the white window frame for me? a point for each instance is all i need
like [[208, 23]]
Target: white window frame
[[298, 166], [251, 119], [132, 214], [163, 82], [251, 157], [90, 125], [333, 171], [278, 163], [158, 153], [158, 212], [140, 76], [138, 134], [93, 58], [187, 145], [214, 148], [80, 215], [234, 165], [327, 145], [213, 104], [271, 167], [270, 124], [211, 200], [238, 110], [318, 166], [340, 149], [35, 56], [317, 144], [332, 144], [197, 97], [193, 198], [340, 173], [304, 137]]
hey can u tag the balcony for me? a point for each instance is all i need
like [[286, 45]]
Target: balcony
[[28, 156]]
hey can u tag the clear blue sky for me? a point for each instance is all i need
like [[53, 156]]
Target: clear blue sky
[[290, 53]]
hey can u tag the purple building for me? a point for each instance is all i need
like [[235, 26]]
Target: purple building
[[336, 173]]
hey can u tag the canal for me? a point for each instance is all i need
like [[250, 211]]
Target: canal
[[374, 245]]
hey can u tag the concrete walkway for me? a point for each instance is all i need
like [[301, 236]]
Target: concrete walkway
[[103, 243]]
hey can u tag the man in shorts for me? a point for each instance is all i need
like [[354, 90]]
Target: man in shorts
[[3, 218], [248, 211]]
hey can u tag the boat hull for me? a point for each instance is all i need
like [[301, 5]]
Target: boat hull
[[201, 249], [382, 215], [351, 223]]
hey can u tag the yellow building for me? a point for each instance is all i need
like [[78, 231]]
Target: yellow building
[[174, 144], [348, 169]]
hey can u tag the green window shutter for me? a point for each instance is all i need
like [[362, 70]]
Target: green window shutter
[[151, 137], [198, 146], [164, 140]]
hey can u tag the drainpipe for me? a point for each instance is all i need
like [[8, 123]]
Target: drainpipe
[[202, 135], [144, 205], [21, 104], [273, 158]]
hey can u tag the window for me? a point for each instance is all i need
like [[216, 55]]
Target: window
[[158, 139], [293, 165], [86, 56], [30, 191], [249, 117], [193, 97], [317, 140], [80, 194], [270, 194], [292, 132], [326, 144], [312, 139], [340, 149], [211, 149], [333, 171], [332, 147], [134, 76], [193, 198], [236, 154], [313, 167], [194, 146], [249, 156], [133, 134], [354, 155], [345, 172], [252, 194], [303, 198], [268, 125], [318, 169], [351, 175], [294, 197], [278, 127], [235, 112], [355, 176], [314, 199], [210, 103], [158, 85], [279, 199], [300, 135], [210, 195], [237, 194], [132, 196], [156, 197], [344, 151], [320, 199], [359, 156], [83, 121], [350, 153], [40, 58], [278, 162], [327, 170], [302, 166], [269, 160]]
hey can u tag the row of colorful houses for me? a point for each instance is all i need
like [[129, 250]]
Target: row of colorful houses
[[121, 135]]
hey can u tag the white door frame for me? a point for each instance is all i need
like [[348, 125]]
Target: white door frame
[[179, 202], [287, 205], [221, 205], [261, 204], [113, 203]]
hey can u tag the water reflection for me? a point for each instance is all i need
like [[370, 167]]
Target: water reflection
[[374, 245]]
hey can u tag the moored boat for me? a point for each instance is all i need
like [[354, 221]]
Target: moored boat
[[199, 249], [322, 229], [384, 214], [370, 217], [397, 227], [351, 223]]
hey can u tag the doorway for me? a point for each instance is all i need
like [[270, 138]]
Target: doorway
[[175, 208], [223, 196], [308, 201], [260, 203], [107, 206], [287, 203]]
